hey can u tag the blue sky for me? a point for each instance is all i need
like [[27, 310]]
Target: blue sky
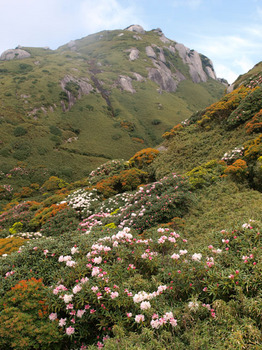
[[229, 32]]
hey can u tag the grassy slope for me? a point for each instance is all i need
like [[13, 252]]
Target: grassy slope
[[34, 83]]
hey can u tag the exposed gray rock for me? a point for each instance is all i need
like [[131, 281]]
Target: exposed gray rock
[[158, 31], [139, 77], [137, 37], [134, 54], [210, 72], [126, 83], [230, 88], [161, 55], [163, 76], [192, 58], [121, 34], [14, 54], [136, 28], [150, 52], [171, 49], [84, 89], [164, 39]]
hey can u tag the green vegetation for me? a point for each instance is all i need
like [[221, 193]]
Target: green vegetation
[[76, 96], [161, 251]]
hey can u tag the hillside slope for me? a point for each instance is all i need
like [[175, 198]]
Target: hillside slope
[[101, 97], [160, 252]]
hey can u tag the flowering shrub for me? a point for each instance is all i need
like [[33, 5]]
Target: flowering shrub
[[253, 148], [107, 169], [248, 107], [6, 192], [65, 220], [24, 318], [255, 124], [222, 109], [154, 283], [10, 244], [143, 158], [238, 170], [206, 174], [126, 180], [43, 214], [156, 203], [254, 81], [84, 201], [174, 131], [20, 212], [233, 155]]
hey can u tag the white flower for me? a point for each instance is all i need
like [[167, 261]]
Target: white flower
[[98, 260], [175, 256], [197, 256], [155, 324], [74, 250], [68, 298], [193, 305], [77, 289], [145, 305]]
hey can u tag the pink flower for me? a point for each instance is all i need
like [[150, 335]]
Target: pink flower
[[53, 316], [139, 318], [114, 295], [129, 314], [70, 330], [80, 313], [62, 322]]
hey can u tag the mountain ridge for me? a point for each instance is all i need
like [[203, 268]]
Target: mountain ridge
[[110, 93]]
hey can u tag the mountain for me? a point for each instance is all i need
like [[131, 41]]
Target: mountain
[[162, 251], [101, 97]]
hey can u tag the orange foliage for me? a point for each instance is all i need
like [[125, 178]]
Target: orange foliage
[[173, 131], [237, 170], [10, 244], [136, 139], [253, 148], [222, 109], [144, 157], [126, 180], [43, 214], [255, 124]]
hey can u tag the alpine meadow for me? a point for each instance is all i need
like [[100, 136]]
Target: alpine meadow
[[130, 198]]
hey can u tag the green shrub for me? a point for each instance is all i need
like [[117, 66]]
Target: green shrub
[[19, 131], [206, 174], [64, 221], [53, 183]]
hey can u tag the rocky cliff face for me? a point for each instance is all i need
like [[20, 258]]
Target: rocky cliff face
[[199, 66]]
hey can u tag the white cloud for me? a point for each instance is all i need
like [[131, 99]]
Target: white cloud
[[107, 14]]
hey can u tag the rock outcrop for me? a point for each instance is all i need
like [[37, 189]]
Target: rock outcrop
[[12, 54], [192, 58], [136, 28], [134, 54], [126, 83], [83, 88]]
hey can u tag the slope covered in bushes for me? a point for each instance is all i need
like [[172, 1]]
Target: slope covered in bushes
[[160, 252]]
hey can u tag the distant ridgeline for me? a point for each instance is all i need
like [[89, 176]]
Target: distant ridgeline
[[101, 97]]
